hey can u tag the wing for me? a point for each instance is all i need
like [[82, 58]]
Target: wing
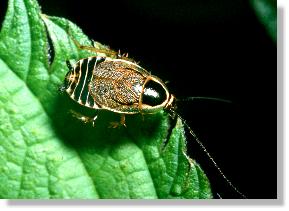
[[116, 84]]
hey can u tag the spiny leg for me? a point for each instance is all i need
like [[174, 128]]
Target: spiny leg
[[108, 52], [118, 124], [118, 54], [83, 118], [124, 56]]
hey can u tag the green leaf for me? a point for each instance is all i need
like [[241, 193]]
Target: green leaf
[[266, 11], [46, 153]]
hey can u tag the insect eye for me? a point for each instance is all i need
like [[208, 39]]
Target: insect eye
[[154, 94]]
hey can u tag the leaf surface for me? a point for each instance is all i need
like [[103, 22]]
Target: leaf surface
[[266, 11], [46, 153]]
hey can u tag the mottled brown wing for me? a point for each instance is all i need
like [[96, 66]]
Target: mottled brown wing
[[117, 85]]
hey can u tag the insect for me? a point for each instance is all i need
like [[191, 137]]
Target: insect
[[118, 84]]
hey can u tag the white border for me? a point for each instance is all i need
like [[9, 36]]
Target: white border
[[167, 205]]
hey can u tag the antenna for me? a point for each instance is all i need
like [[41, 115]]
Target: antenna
[[203, 98], [208, 154]]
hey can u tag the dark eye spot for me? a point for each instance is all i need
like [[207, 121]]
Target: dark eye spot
[[154, 94]]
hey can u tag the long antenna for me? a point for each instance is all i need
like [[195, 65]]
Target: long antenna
[[208, 154], [203, 98]]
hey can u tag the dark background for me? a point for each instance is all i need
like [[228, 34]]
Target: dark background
[[203, 48]]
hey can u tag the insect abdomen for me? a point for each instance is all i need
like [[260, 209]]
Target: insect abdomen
[[78, 79]]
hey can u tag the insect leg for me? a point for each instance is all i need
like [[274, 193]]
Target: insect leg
[[108, 52], [122, 120], [120, 123], [83, 118]]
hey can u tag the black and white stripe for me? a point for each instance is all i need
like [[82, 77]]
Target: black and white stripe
[[79, 79]]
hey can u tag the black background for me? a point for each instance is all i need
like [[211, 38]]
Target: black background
[[203, 48]]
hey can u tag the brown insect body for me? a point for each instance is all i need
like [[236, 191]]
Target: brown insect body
[[117, 85]]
